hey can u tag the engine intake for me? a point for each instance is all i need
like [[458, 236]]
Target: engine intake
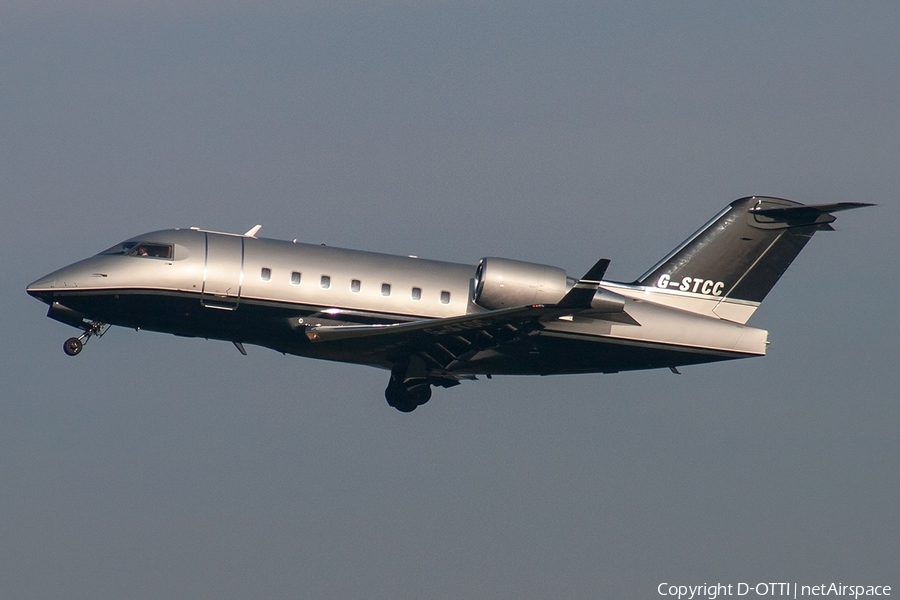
[[503, 283]]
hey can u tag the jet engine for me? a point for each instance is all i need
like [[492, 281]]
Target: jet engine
[[502, 283]]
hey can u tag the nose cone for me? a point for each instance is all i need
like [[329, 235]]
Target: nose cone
[[68, 278], [42, 289]]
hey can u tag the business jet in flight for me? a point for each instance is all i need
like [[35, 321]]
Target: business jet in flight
[[434, 323]]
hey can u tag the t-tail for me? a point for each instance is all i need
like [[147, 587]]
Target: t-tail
[[728, 267]]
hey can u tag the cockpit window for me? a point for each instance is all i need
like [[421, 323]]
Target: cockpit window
[[122, 248], [151, 250], [142, 249]]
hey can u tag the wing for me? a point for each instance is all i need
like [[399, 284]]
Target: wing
[[442, 344]]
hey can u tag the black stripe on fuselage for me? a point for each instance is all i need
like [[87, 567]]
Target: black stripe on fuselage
[[277, 325]]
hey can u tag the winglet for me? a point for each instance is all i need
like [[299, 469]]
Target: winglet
[[583, 291], [253, 231]]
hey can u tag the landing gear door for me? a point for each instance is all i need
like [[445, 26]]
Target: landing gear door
[[223, 271]]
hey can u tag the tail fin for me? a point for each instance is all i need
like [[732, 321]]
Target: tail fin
[[732, 262]]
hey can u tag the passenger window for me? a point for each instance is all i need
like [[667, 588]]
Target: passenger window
[[385, 289], [265, 274], [355, 286], [416, 293], [445, 297], [325, 282], [295, 278]]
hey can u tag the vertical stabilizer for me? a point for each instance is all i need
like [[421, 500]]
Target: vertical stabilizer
[[729, 266]]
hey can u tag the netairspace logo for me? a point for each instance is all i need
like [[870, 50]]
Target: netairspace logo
[[791, 590]]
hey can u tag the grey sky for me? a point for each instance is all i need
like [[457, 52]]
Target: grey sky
[[158, 467]]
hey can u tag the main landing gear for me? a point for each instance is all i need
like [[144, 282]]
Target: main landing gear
[[409, 387], [73, 345], [407, 399]]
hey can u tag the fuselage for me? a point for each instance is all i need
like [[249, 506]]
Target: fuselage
[[241, 289]]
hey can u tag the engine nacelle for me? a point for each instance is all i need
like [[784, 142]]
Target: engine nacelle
[[502, 283]]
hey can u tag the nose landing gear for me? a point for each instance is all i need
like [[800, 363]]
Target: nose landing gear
[[73, 345], [64, 314]]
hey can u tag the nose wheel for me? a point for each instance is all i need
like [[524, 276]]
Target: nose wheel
[[74, 345]]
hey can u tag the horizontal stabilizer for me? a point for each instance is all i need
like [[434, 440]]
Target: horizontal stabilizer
[[801, 215]]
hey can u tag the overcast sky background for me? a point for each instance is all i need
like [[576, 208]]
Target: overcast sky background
[[159, 467]]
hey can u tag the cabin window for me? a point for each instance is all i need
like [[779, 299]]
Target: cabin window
[[295, 278], [325, 282], [355, 285], [445, 297], [416, 293], [265, 274], [385, 289]]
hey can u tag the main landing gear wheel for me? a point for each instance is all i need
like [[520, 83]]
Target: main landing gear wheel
[[407, 400], [408, 387], [73, 346]]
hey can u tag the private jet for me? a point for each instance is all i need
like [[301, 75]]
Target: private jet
[[435, 324]]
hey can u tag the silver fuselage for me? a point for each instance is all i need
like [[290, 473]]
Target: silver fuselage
[[267, 292]]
